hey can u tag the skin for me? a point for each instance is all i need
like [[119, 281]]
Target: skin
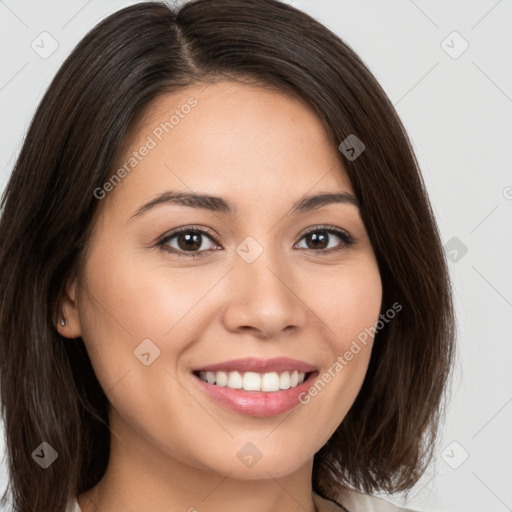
[[172, 447]]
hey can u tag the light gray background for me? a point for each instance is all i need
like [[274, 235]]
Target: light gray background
[[458, 112]]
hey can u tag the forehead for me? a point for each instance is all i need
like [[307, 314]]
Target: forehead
[[231, 138]]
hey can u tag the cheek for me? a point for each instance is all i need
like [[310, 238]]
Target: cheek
[[349, 304], [359, 302], [348, 301], [127, 299], [138, 298]]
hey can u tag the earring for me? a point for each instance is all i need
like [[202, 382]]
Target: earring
[[63, 322]]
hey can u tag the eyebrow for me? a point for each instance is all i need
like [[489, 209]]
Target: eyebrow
[[220, 205]]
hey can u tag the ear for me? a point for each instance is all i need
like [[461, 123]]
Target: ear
[[68, 310]]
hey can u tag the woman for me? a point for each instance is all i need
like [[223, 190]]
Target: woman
[[222, 283]]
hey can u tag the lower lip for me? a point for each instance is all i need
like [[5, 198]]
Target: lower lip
[[256, 403]]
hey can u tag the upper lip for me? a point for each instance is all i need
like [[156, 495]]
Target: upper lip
[[253, 364]]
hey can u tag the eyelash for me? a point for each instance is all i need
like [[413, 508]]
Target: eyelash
[[347, 240]]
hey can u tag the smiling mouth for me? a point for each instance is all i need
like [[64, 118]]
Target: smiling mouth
[[253, 381]]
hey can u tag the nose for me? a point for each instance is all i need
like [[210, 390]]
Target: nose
[[263, 297]]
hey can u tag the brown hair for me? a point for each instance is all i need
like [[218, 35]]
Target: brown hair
[[49, 391]]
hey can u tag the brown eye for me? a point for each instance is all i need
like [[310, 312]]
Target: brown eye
[[186, 242], [318, 239], [192, 242]]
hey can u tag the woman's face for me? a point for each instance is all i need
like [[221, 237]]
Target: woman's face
[[265, 297]]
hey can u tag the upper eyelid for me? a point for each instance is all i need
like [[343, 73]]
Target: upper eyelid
[[186, 229]]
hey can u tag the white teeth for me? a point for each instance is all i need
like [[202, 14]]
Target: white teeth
[[252, 381], [270, 382], [221, 378], [284, 380], [234, 380]]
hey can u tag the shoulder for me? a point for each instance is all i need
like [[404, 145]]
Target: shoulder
[[355, 501]]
